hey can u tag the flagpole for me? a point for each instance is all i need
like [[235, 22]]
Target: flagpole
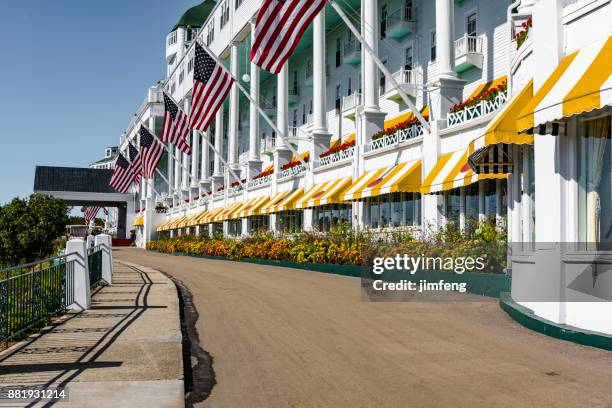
[[381, 66], [218, 154], [259, 109]]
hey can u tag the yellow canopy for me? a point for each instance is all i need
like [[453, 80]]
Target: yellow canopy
[[253, 206], [138, 221], [285, 203], [403, 177], [580, 83], [324, 193], [451, 171]]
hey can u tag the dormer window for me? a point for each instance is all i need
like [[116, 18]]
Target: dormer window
[[108, 153], [172, 38]]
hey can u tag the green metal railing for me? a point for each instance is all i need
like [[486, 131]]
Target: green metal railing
[[31, 294], [94, 259]]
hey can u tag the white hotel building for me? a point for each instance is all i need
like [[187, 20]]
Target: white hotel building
[[481, 161]]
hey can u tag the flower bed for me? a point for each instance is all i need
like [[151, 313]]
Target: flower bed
[[392, 130], [264, 173], [294, 163], [522, 35], [339, 148], [488, 95]]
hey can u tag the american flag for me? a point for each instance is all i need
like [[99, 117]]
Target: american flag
[[90, 213], [279, 27], [122, 178], [151, 151], [176, 127], [105, 210], [211, 84], [135, 163]]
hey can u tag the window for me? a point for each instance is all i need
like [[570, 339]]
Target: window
[[432, 46], [338, 93], [190, 65], [308, 68], [181, 76], [452, 206], [239, 3], [303, 114], [190, 34], [349, 89], [594, 183], [172, 38], [295, 117], [210, 36], [290, 221], [408, 58], [394, 210], [259, 223], [234, 229], [470, 24], [338, 52], [382, 85], [225, 11], [471, 204], [383, 21], [295, 82], [329, 216]]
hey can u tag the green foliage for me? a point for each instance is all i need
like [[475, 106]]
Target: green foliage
[[77, 220], [29, 227]]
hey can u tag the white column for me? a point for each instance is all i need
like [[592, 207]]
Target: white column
[[170, 170], [254, 167], [185, 177], [195, 154], [319, 94], [462, 217], [526, 200], [516, 194], [177, 169], [320, 132], [444, 38], [76, 251], [369, 29], [281, 153], [233, 112], [204, 169], [217, 174], [481, 200]]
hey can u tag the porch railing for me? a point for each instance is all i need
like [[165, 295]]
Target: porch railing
[[260, 181], [31, 294], [94, 260], [468, 44], [483, 108], [293, 171], [337, 157], [400, 136]]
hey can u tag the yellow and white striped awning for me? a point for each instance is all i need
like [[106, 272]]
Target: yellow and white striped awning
[[451, 171], [174, 224], [192, 221], [285, 203], [138, 221], [210, 215], [403, 177], [274, 200], [582, 82], [325, 193], [201, 216], [225, 213], [162, 226], [253, 206]]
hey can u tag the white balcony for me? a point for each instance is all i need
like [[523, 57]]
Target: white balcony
[[339, 156], [468, 53], [293, 171], [483, 108], [268, 144], [406, 79], [262, 181], [401, 22], [411, 132], [352, 53], [293, 95], [349, 104]]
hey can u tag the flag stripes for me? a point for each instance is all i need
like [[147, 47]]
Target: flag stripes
[[279, 27], [211, 85], [175, 128], [90, 213], [122, 178], [151, 151], [135, 168]]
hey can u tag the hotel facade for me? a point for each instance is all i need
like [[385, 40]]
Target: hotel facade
[[516, 99]]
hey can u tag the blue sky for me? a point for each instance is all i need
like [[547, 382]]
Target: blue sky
[[73, 73]]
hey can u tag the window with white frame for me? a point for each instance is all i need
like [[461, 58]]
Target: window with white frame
[[190, 64], [172, 38], [181, 76], [394, 210], [594, 160], [471, 24]]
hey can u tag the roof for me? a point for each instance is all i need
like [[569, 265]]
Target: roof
[[48, 178], [196, 15], [112, 158]]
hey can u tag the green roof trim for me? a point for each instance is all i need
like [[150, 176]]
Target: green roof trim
[[196, 15]]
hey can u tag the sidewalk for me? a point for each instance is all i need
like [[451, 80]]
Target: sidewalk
[[123, 352]]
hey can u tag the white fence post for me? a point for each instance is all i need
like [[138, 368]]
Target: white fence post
[[106, 244], [77, 252]]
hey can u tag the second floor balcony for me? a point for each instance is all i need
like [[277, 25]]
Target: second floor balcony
[[468, 53], [478, 110], [402, 21], [392, 139], [406, 79]]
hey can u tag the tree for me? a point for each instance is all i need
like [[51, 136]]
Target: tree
[[77, 220], [28, 228]]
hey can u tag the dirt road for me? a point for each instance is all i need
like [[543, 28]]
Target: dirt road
[[290, 338]]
